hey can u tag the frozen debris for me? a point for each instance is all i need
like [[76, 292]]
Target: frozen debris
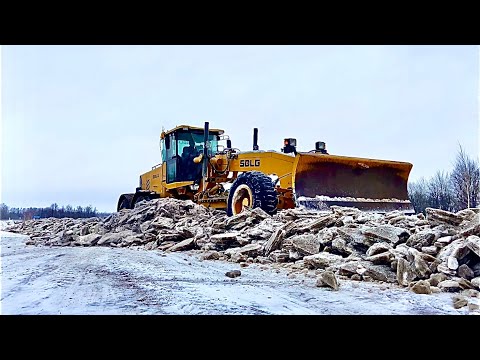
[[224, 239], [211, 255], [275, 241], [476, 282], [183, 245], [405, 272], [380, 273], [442, 249], [114, 238], [321, 260], [384, 258], [449, 286], [87, 240], [306, 244], [355, 237], [430, 250], [389, 233], [459, 301], [339, 246], [421, 287], [233, 273], [443, 241], [437, 216], [320, 223], [327, 279], [465, 272], [352, 268], [466, 214], [437, 278], [465, 284], [452, 263], [279, 256], [250, 250], [473, 243], [378, 248], [421, 239]]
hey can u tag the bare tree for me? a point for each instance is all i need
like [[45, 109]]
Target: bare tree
[[418, 193], [440, 194], [465, 180], [4, 212]]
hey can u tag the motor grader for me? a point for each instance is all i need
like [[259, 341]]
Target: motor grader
[[194, 165]]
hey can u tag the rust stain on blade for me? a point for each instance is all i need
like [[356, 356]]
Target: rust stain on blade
[[341, 176]]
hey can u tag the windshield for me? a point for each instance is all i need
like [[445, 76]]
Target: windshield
[[186, 139]]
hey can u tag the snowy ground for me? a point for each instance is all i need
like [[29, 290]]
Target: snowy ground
[[102, 280]]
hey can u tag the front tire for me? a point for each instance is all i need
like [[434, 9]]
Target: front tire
[[250, 190]]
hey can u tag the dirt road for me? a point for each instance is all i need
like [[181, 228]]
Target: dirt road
[[102, 280]]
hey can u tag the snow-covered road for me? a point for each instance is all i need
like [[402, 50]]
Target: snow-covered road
[[102, 280]]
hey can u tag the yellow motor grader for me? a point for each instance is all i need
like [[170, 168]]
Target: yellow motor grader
[[195, 166]]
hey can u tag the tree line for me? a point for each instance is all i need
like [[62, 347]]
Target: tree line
[[451, 191], [53, 210]]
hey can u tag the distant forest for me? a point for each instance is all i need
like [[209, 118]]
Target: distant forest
[[451, 191], [53, 210]]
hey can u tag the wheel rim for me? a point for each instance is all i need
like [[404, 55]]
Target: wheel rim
[[242, 198]]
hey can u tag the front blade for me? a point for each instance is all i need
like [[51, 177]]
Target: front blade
[[322, 180]]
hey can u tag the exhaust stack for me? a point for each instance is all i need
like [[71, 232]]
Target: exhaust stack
[[255, 139]]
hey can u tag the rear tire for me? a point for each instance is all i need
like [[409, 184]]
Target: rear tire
[[252, 189]]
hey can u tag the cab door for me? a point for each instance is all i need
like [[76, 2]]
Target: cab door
[[171, 157]]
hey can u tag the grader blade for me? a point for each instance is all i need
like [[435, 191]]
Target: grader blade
[[322, 180]]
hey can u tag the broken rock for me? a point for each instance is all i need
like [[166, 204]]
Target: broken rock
[[275, 241], [405, 272], [279, 256], [378, 248], [211, 255], [437, 216], [476, 282], [349, 269], [392, 234], [321, 260], [183, 245], [459, 301], [380, 273], [114, 238], [233, 273], [88, 240], [327, 278], [437, 278], [421, 287], [381, 259], [452, 263], [224, 240], [449, 286], [473, 243], [421, 239], [465, 272], [250, 250], [306, 244]]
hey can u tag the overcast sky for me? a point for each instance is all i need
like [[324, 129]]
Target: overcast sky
[[81, 123]]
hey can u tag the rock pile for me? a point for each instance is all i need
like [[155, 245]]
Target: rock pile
[[439, 252]]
